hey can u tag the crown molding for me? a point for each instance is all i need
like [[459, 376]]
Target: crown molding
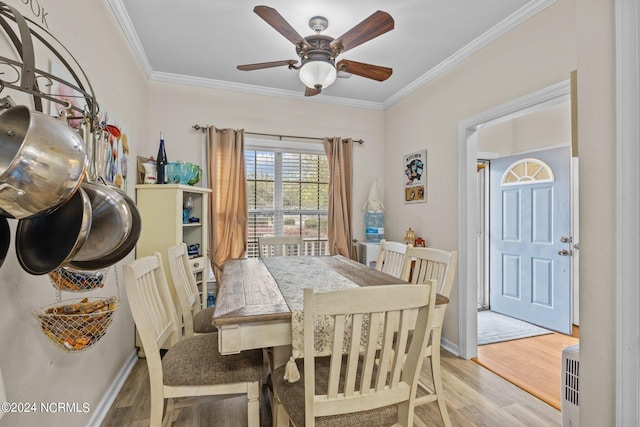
[[260, 90], [506, 25], [131, 35]]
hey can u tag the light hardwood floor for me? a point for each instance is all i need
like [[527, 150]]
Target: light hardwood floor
[[534, 364], [475, 397]]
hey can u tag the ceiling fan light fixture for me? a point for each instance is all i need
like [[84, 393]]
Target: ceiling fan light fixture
[[318, 73]]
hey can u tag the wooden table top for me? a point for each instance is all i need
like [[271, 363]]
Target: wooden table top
[[249, 293]]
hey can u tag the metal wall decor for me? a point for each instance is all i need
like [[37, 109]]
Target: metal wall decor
[[31, 79], [52, 169]]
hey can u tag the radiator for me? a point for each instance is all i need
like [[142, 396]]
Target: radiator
[[570, 386]]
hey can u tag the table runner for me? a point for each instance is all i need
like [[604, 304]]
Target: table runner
[[293, 274]]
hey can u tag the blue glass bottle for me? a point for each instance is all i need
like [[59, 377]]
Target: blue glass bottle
[[211, 300]]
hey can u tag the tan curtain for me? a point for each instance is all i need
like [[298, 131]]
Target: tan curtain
[[228, 203], [340, 157]]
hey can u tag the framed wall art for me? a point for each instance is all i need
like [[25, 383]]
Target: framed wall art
[[415, 177]]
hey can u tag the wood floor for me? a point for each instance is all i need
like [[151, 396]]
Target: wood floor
[[475, 397], [533, 364]]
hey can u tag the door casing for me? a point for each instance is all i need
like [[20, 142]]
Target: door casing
[[468, 203]]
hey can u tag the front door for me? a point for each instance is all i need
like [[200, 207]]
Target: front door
[[530, 244]]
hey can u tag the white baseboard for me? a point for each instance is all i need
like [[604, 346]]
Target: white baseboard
[[449, 346], [109, 397]]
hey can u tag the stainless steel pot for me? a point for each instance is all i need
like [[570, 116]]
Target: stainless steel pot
[[42, 162], [121, 251], [111, 222], [46, 242]]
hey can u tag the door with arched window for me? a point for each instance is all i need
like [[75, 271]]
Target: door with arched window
[[530, 243]]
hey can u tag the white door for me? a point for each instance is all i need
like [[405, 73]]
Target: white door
[[530, 243]]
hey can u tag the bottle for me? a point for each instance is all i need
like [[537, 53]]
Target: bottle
[[374, 226], [211, 300], [161, 162]]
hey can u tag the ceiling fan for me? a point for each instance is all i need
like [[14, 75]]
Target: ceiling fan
[[318, 52]]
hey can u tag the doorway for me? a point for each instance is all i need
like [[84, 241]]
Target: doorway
[[520, 182], [469, 203]]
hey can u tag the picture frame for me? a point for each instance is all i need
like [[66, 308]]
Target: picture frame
[[414, 168]]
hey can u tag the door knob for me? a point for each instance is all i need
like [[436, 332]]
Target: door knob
[[565, 239], [564, 252]]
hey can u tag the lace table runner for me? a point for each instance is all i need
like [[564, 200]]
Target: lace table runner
[[293, 275]]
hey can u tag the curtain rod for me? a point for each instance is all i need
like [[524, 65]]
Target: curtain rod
[[203, 128]]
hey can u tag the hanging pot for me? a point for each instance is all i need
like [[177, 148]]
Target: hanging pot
[[5, 238], [46, 242], [42, 162], [111, 222], [121, 251]]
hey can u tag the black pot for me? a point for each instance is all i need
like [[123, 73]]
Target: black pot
[[46, 242], [5, 238]]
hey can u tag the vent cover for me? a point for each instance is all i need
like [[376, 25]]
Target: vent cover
[[571, 386]]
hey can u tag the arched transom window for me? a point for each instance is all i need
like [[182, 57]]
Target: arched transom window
[[527, 171]]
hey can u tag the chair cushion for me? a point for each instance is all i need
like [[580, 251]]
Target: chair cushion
[[202, 321], [197, 361], [291, 395]]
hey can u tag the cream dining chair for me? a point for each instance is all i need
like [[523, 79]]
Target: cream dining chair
[[192, 367], [269, 246], [423, 265], [196, 318], [368, 381], [391, 257]]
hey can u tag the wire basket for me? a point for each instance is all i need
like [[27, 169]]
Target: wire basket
[[77, 324], [68, 279]]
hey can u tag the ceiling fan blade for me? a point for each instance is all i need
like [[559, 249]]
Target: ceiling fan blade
[[375, 72], [273, 18], [310, 92], [378, 23], [260, 65]]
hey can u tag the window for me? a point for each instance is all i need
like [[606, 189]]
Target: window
[[287, 191], [527, 171]]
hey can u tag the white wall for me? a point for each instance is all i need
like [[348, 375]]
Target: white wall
[[175, 108], [547, 127], [497, 138], [535, 55], [597, 153], [34, 370]]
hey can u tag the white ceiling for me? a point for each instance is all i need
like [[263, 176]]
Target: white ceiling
[[202, 41]]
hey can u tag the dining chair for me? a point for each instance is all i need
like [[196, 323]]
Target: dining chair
[[422, 265], [371, 376], [269, 246], [391, 257], [196, 319], [193, 366]]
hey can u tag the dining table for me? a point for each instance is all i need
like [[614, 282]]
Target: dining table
[[260, 303], [259, 300]]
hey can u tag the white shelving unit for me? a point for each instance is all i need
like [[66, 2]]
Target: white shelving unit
[[161, 207]]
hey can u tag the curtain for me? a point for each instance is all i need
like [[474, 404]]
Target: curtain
[[228, 213], [340, 157]]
